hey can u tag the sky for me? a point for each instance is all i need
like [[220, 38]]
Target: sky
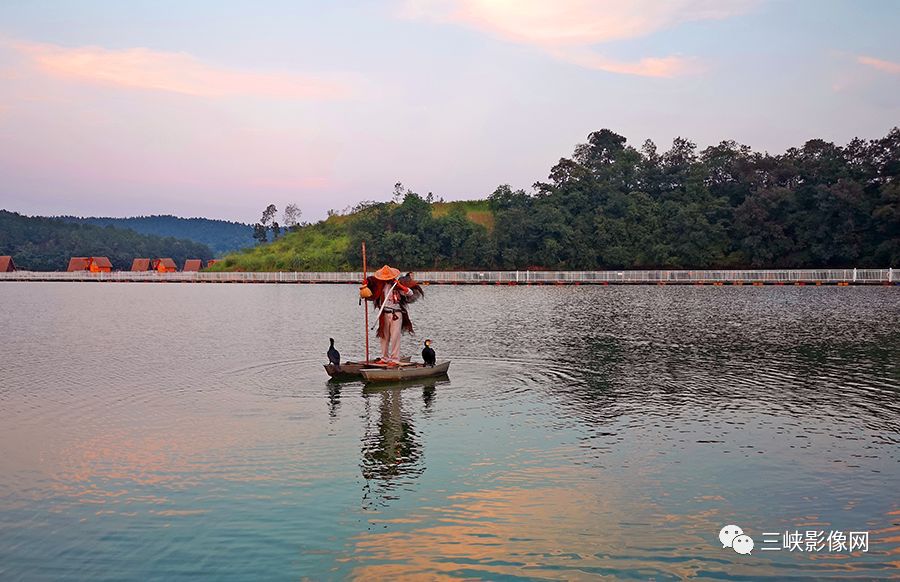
[[218, 108]]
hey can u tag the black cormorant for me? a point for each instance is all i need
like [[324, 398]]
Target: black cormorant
[[333, 355], [428, 354]]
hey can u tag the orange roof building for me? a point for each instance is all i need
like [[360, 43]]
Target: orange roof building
[[79, 264], [92, 264], [165, 266], [100, 265], [140, 265], [6, 264], [192, 265], [211, 262]]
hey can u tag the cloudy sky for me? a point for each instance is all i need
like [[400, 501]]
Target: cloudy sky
[[217, 108]]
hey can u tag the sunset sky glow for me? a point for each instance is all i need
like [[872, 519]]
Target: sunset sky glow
[[217, 108]]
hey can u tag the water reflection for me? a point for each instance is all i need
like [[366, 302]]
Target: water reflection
[[428, 392], [613, 442], [334, 399], [391, 451], [547, 532]]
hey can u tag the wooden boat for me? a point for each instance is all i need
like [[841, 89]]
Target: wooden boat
[[427, 384], [404, 372], [352, 369]]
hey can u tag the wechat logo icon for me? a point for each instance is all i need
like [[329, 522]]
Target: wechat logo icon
[[733, 537]]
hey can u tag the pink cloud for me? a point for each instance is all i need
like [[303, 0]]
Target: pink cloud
[[175, 72], [567, 29], [881, 65], [666, 67]]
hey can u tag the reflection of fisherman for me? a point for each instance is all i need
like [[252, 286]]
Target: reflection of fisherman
[[392, 293], [391, 450]]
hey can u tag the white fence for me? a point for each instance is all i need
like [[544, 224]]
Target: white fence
[[768, 276]]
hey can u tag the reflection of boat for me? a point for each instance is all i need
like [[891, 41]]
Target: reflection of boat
[[352, 369], [404, 372], [427, 384]]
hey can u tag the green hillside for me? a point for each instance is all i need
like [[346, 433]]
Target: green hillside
[[613, 206], [325, 245], [317, 247]]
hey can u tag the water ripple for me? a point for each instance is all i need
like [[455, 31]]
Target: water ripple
[[582, 433]]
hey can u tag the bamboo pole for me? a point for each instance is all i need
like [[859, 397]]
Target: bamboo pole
[[365, 301]]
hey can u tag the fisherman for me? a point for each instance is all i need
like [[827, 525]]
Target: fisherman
[[392, 293]]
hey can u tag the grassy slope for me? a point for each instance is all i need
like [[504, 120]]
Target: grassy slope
[[323, 246], [478, 211]]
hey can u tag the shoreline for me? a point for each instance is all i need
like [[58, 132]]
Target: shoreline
[[752, 277]]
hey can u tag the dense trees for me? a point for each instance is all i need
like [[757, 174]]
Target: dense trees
[[614, 206], [611, 205], [407, 233], [46, 244], [221, 236]]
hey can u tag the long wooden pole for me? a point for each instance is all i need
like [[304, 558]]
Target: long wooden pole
[[366, 302]]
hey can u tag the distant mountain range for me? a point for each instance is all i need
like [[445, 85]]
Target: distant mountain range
[[46, 244], [222, 236]]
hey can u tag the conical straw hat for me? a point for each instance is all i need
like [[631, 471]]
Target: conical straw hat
[[387, 273]]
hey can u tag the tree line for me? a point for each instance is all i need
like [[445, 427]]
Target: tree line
[[47, 244], [611, 205], [222, 236]]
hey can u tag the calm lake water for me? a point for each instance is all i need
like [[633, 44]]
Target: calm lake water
[[175, 431]]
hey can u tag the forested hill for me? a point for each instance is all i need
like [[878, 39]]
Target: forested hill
[[611, 205], [221, 236], [46, 244]]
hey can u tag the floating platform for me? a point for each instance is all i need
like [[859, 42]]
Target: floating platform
[[404, 372], [351, 370]]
